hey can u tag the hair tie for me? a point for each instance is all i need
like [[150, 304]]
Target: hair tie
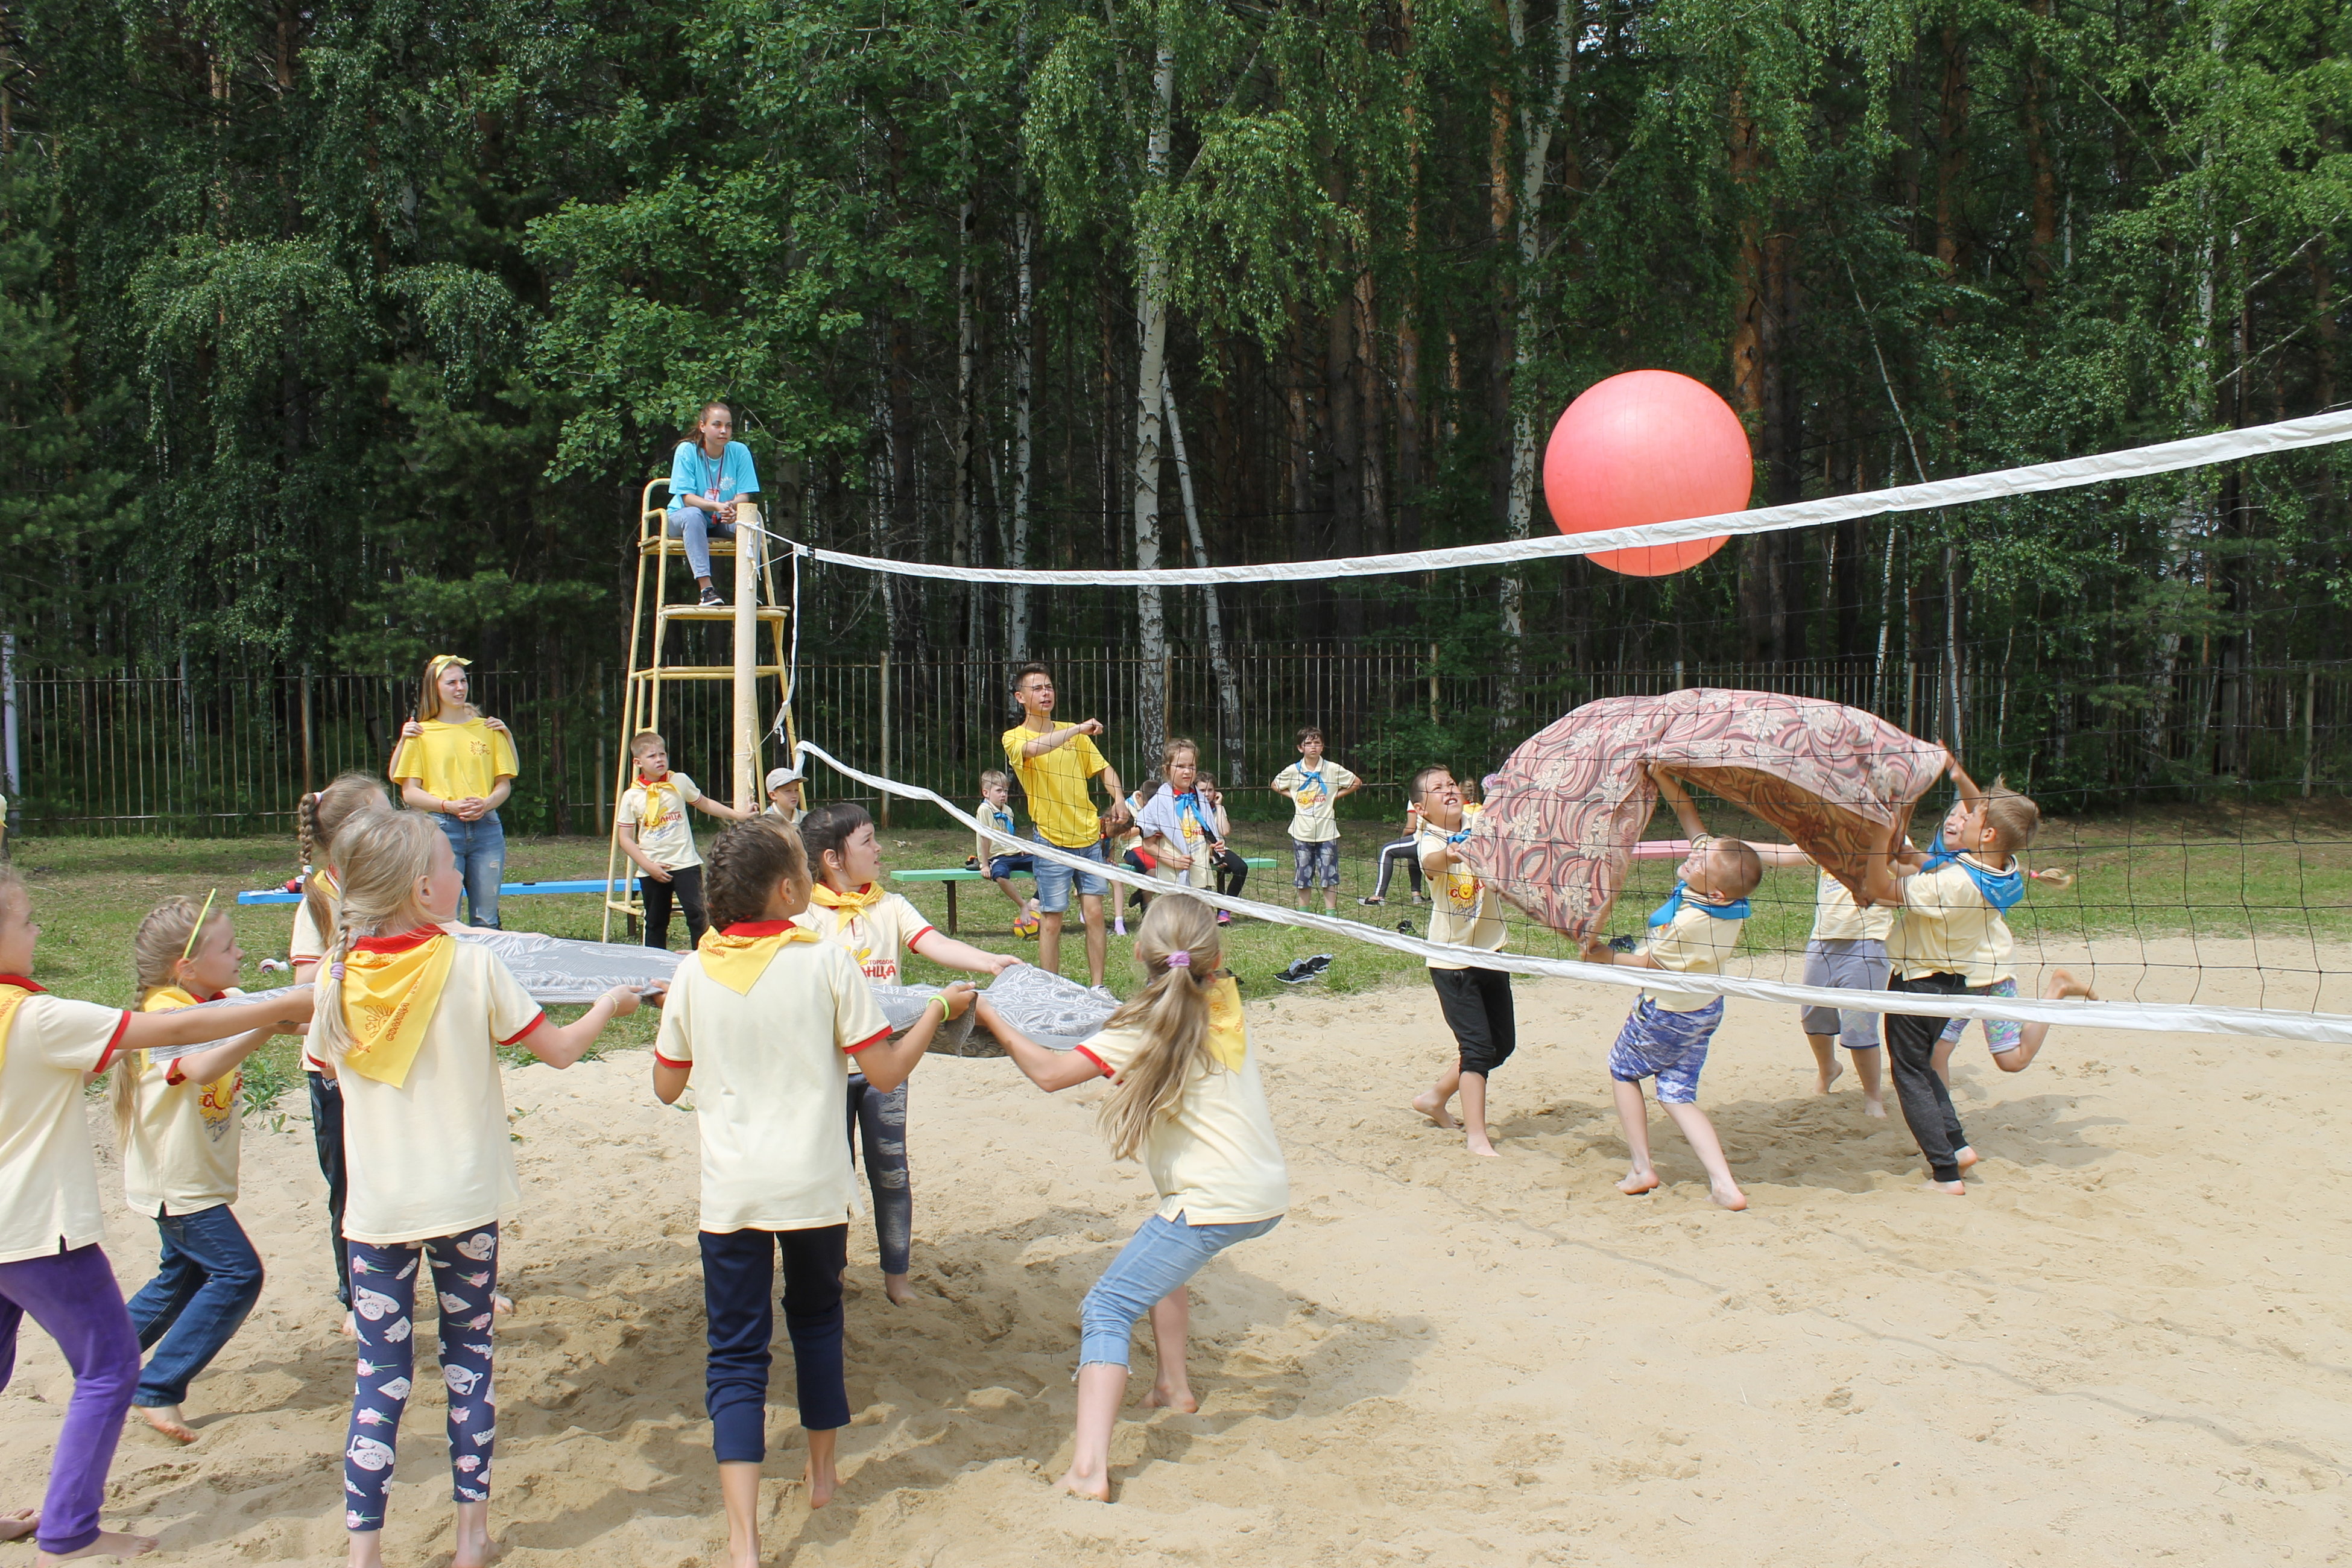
[[336, 970], [1180, 959]]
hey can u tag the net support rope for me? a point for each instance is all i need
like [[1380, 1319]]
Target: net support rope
[[2320, 1028], [2134, 462]]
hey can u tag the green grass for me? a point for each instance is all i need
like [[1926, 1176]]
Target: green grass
[[2211, 874]]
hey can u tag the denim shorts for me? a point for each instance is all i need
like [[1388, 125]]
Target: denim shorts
[[1053, 878], [1312, 860], [1159, 1258], [1005, 866], [1657, 1042]]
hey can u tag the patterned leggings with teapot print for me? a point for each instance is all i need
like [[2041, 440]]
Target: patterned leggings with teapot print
[[383, 1297]]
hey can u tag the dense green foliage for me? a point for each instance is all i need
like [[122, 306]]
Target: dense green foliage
[[339, 333]]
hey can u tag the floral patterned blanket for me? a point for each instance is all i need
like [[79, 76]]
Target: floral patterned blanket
[[1562, 818]]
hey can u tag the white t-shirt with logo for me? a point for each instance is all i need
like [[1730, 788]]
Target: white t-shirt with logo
[[671, 843], [48, 1177], [1464, 910], [1312, 792]]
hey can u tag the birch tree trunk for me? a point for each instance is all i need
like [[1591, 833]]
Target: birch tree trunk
[[1025, 370], [1229, 690], [1151, 362]]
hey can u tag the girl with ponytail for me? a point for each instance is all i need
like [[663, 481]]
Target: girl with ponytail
[[1186, 1100], [410, 1020], [318, 820]]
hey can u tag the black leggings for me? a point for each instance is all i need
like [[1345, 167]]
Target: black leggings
[[1232, 872], [1389, 855], [327, 1134], [1918, 1088], [686, 881]]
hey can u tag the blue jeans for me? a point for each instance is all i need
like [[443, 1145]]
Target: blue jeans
[[209, 1278], [1053, 878], [695, 526], [481, 849], [1159, 1258]]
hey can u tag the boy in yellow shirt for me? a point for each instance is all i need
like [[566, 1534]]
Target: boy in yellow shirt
[[1057, 766]]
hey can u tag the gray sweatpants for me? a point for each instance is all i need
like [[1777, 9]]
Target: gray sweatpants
[[1848, 964]]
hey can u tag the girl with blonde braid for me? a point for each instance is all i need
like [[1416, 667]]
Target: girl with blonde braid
[[176, 1124], [1186, 1100], [410, 1020]]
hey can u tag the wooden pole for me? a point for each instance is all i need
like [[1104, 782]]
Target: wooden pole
[[747, 655], [2310, 701]]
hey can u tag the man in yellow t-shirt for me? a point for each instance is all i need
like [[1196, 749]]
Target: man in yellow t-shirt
[[1057, 767]]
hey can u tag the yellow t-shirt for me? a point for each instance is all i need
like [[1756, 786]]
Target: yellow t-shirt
[[1059, 803], [873, 937], [1215, 1161], [1463, 910], [669, 837], [771, 1082], [456, 762], [1947, 928], [432, 1157], [1837, 918], [182, 1156], [1692, 942], [48, 1178]]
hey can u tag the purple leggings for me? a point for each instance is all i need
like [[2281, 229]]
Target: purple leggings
[[73, 1296]]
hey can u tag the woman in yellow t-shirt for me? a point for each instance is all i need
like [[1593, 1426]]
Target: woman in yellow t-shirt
[[460, 766], [176, 1124], [1186, 1100]]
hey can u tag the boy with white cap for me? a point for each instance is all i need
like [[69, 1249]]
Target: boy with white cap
[[784, 796]]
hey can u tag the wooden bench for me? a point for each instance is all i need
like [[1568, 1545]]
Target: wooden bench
[[951, 877], [506, 890]]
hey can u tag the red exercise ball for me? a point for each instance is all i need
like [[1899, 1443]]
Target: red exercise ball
[[1648, 446]]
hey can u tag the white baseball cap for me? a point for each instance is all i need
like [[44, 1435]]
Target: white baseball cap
[[782, 776]]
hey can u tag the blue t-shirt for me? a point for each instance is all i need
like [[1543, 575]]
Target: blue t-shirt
[[691, 471]]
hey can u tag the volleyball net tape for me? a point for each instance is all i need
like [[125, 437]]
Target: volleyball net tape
[[2329, 1028]]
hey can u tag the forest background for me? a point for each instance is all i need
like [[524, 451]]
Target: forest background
[[331, 337]]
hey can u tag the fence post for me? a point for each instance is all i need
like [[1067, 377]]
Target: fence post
[[308, 774], [2310, 701], [9, 774], [882, 811]]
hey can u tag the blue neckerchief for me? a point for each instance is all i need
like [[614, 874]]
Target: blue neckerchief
[[1737, 910], [1190, 805], [2001, 889]]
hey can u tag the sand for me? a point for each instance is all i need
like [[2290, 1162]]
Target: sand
[[2127, 1343]]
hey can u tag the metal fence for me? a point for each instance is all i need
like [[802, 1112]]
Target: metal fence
[[230, 752]]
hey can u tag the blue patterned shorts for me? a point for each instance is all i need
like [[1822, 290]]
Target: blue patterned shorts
[[1313, 861], [2001, 1034], [1667, 1046]]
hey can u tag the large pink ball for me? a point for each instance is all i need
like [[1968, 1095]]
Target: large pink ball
[[1648, 446]]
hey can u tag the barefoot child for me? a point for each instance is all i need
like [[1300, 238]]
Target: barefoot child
[[2013, 1045], [1846, 950], [764, 1017], [51, 1266], [318, 819], [1315, 786], [1946, 939], [655, 833], [176, 1125], [999, 861], [1666, 1036], [847, 905], [1476, 1003], [1186, 1100], [410, 1020]]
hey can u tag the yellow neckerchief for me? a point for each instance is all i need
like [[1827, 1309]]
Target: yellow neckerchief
[[14, 989], [656, 815], [1228, 1043], [391, 987], [171, 999], [857, 902], [737, 956]]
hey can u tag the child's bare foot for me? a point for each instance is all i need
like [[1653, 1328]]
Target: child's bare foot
[[1094, 1488], [823, 1480], [350, 1328], [1956, 1189], [110, 1544], [1181, 1399], [473, 1548], [1726, 1194], [1873, 1105], [1967, 1159], [895, 1286], [2062, 985], [502, 1304], [742, 1553], [1429, 1105], [165, 1418], [1826, 1075], [1482, 1146], [1636, 1183], [23, 1522]]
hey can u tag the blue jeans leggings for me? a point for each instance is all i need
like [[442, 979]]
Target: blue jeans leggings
[[1158, 1259], [207, 1281], [739, 1270], [383, 1300], [480, 846]]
